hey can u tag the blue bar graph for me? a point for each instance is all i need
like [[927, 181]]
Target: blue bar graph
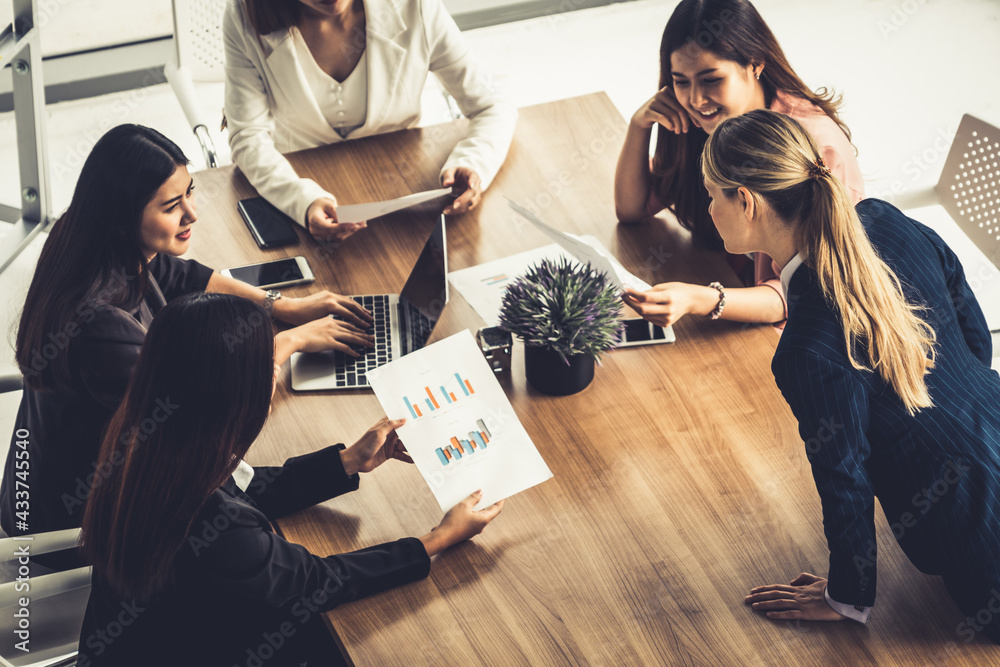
[[461, 384], [446, 396], [410, 407], [459, 448]]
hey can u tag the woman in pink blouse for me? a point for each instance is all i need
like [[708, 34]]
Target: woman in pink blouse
[[717, 59]]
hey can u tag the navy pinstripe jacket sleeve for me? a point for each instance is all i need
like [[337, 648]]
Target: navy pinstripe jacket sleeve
[[861, 441], [970, 316], [831, 407]]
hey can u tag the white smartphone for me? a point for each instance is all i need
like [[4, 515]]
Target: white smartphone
[[641, 332], [270, 275]]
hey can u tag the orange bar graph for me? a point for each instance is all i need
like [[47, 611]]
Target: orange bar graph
[[485, 439], [471, 390], [416, 408], [448, 454], [452, 396], [455, 444], [431, 396]]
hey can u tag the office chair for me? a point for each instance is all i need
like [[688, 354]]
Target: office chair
[[968, 215], [56, 602], [200, 57]]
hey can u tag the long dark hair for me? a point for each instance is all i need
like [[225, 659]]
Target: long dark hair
[[198, 397], [267, 16], [93, 257], [732, 30]]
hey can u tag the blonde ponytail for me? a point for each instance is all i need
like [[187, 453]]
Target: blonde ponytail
[[774, 158]]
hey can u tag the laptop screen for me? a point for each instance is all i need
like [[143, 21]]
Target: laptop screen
[[423, 297]]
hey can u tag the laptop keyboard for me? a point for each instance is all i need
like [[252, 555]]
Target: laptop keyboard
[[352, 371]]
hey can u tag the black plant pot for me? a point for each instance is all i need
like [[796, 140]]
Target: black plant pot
[[547, 372]]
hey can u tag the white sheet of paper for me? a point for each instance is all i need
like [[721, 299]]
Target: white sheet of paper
[[362, 212], [586, 249], [460, 430], [484, 285]]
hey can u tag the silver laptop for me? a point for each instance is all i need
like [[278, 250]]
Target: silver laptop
[[403, 323]]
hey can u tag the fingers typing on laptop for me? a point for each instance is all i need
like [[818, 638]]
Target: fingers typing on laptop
[[312, 307], [320, 335]]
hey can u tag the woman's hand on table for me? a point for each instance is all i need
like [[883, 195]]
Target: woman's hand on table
[[379, 444], [320, 335], [803, 599], [466, 186], [663, 108], [460, 523], [308, 308], [321, 221], [666, 303]]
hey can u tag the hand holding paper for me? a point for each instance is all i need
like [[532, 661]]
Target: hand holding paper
[[322, 222], [468, 189], [362, 212], [460, 429]]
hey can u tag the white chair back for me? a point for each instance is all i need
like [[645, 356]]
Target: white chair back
[[969, 187], [198, 37], [40, 612]]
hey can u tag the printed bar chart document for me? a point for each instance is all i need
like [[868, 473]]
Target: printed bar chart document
[[362, 212], [460, 430]]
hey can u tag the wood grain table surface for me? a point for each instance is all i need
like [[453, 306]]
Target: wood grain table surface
[[680, 480]]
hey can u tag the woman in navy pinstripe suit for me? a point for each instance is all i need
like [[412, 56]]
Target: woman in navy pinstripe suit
[[885, 362]]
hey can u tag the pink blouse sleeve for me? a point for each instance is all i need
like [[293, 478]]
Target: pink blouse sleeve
[[653, 203], [846, 170], [837, 151], [766, 272]]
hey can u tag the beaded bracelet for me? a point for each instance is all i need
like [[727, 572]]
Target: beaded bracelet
[[717, 313]]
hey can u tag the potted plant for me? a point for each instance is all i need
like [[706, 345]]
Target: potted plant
[[566, 314]]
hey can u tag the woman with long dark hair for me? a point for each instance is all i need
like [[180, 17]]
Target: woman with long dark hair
[[885, 362], [178, 529], [718, 59], [108, 266]]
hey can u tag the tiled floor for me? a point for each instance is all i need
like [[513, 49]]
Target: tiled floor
[[908, 70]]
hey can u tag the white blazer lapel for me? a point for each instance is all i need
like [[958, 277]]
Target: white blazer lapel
[[385, 60], [287, 76]]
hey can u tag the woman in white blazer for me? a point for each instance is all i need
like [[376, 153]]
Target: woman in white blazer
[[304, 73]]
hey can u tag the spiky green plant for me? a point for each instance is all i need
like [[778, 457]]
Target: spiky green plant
[[565, 306]]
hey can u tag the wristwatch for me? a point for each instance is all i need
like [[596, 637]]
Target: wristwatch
[[495, 344], [270, 297]]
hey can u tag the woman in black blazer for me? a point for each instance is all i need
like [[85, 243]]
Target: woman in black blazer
[[187, 569], [885, 362], [108, 266]]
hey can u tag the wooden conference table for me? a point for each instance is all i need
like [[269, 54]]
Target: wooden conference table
[[680, 480]]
